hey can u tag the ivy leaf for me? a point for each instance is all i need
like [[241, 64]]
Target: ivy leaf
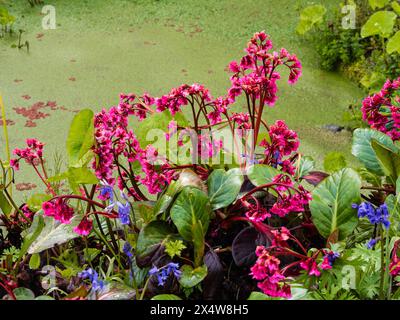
[[81, 136], [380, 23], [192, 277], [223, 187], [393, 44], [309, 17], [331, 207]]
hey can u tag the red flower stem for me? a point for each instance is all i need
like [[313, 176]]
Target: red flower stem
[[44, 181], [9, 291], [76, 197]]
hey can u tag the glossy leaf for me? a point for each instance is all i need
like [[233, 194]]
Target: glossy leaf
[[81, 136], [363, 150], [223, 187], [192, 277], [389, 160], [54, 233], [152, 236], [191, 205], [331, 207], [260, 174]]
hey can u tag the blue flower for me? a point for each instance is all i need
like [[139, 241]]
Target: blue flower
[[93, 277], [163, 273], [106, 192], [376, 216], [332, 256], [371, 243], [127, 249], [124, 212]]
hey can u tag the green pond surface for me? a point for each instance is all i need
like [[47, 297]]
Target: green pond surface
[[103, 48]]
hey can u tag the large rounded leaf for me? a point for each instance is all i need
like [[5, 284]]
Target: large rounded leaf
[[380, 23], [190, 208], [363, 150], [260, 174], [153, 235], [223, 187], [331, 207]]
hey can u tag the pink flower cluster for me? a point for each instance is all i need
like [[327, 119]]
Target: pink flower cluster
[[256, 74], [283, 142], [289, 201], [267, 271], [61, 211], [382, 110], [32, 153], [311, 266], [114, 140]]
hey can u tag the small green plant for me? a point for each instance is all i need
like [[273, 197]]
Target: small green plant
[[6, 22]]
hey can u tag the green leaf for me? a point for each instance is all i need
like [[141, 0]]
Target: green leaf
[[303, 166], [35, 202], [44, 298], [54, 233], [34, 261], [24, 294], [160, 121], [190, 206], [32, 233], [331, 207], [174, 248], [81, 137], [4, 204], [396, 6], [166, 297], [334, 161], [90, 254], [260, 174], [380, 23], [378, 4], [309, 17], [166, 199], [199, 235], [151, 236], [259, 296], [363, 150], [192, 277], [393, 44], [223, 187], [388, 160], [82, 176]]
